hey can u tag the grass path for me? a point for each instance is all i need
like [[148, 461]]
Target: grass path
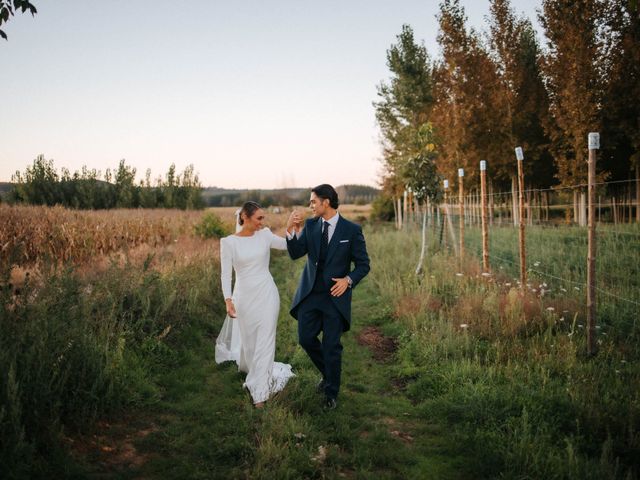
[[204, 426]]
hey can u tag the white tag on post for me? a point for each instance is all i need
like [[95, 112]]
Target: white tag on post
[[519, 154], [594, 141], [446, 184], [483, 165], [461, 172]]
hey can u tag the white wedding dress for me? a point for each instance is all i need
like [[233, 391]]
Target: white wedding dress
[[250, 338]]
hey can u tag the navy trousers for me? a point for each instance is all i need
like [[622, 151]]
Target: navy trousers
[[316, 314]]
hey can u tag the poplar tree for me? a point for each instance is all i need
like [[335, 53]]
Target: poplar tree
[[573, 65], [516, 53], [621, 102], [467, 114], [404, 108]]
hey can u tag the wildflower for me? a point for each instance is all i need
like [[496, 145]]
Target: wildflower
[[464, 325], [551, 309], [563, 289], [458, 275], [321, 456], [536, 264], [562, 319], [486, 274], [534, 290], [576, 288], [507, 284]]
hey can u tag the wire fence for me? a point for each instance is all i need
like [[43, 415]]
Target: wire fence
[[556, 245]]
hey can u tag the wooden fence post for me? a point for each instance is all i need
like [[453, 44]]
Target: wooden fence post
[[445, 214], [592, 346], [461, 196], [483, 199], [523, 257]]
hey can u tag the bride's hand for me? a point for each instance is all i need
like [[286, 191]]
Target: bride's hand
[[231, 309], [294, 222]]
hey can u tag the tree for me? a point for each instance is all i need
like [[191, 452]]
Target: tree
[[621, 103], [467, 116], [8, 9], [573, 67], [421, 177], [405, 105], [515, 52], [38, 185], [125, 188]]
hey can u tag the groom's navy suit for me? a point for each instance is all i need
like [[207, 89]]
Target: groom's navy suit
[[313, 305]]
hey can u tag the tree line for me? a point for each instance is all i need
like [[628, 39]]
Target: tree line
[[490, 92], [41, 184], [287, 197]]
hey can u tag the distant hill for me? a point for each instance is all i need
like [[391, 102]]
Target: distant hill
[[223, 197]]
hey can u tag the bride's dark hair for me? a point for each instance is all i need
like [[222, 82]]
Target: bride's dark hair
[[248, 208]]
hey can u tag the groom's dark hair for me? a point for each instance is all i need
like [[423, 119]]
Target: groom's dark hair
[[326, 191]]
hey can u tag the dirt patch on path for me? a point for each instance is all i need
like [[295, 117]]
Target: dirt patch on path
[[381, 346], [111, 448]]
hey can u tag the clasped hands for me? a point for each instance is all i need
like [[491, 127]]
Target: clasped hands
[[294, 222]]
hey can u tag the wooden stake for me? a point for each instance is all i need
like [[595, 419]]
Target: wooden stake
[[485, 232], [523, 257], [592, 346], [445, 214], [461, 197]]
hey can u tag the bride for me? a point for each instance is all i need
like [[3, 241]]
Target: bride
[[248, 335]]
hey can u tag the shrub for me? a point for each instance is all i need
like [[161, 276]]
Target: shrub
[[211, 226]]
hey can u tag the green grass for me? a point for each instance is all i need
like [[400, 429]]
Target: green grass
[[209, 429], [486, 383], [507, 377]]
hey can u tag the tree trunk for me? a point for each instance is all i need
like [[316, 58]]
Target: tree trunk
[[395, 212], [424, 241]]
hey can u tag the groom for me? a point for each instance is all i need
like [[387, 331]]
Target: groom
[[322, 302]]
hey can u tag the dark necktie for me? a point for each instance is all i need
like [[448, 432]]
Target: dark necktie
[[324, 243]]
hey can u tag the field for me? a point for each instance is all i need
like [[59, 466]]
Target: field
[[108, 364]]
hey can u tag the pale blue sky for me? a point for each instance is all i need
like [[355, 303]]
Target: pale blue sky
[[256, 94]]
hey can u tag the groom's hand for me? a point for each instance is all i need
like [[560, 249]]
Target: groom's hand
[[294, 222], [340, 286]]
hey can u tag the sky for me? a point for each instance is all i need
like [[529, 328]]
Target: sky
[[255, 94]]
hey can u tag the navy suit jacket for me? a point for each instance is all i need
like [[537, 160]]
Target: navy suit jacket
[[347, 246]]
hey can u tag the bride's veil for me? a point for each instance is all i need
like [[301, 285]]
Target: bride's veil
[[228, 342]]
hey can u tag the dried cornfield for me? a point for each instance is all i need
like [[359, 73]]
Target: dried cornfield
[[30, 236]]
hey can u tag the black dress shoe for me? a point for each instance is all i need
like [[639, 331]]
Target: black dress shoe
[[330, 403]]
